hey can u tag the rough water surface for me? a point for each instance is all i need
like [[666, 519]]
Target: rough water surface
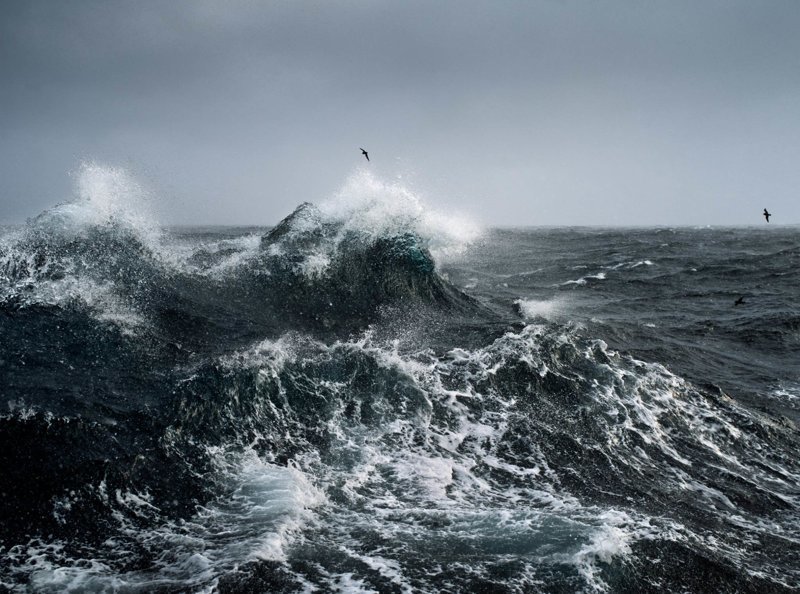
[[373, 397]]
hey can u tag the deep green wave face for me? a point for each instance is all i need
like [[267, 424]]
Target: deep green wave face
[[321, 406]]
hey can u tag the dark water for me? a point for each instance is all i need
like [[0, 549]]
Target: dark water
[[343, 403]]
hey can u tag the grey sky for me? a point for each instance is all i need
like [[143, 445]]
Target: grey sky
[[524, 113]]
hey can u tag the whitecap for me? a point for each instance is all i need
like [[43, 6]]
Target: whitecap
[[542, 308], [584, 279], [376, 208]]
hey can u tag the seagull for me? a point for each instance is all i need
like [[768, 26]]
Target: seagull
[[739, 301], [767, 214], [366, 154]]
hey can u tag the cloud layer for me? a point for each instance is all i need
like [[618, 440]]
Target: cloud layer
[[523, 113]]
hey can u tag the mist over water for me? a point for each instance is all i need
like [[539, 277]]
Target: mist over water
[[377, 396]]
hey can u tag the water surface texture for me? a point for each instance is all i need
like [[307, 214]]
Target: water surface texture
[[372, 396]]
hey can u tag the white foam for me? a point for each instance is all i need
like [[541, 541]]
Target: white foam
[[542, 308], [432, 475], [788, 393], [100, 297], [630, 264], [105, 196], [244, 250], [584, 279], [347, 584], [440, 473], [314, 265], [610, 541], [106, 199], [267, 507], [369, 205], [269, 356], [385, 567]]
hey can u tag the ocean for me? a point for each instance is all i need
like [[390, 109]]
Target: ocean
[[375, 396]]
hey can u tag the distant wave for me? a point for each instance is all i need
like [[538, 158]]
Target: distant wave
[[584, 279]]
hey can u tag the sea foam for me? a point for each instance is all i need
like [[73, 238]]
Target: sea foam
[[368, 205]]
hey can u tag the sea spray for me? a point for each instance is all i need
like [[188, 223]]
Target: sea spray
[[328, 404]]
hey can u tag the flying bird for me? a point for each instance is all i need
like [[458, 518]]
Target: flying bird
[[767, 214], [366, 154], [739, 301]]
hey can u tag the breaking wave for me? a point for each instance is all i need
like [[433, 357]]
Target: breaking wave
[[315, 406]]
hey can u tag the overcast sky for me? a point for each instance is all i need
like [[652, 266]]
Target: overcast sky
[[517, 113]]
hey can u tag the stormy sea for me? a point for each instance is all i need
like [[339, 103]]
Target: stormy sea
[[377, 396]]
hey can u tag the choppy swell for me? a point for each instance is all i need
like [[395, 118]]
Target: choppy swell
[[260, 414], [320, 269]]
